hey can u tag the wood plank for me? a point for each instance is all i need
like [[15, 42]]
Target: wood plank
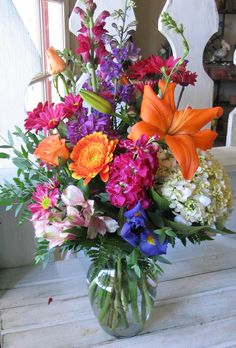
[[18, 302], [168, 292], [181, 313], [215, 334]]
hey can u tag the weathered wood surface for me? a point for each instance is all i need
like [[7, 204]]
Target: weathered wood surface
[[195, 307]]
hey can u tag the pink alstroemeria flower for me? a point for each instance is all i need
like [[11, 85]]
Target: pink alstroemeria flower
[[101, 225], [73, 196]]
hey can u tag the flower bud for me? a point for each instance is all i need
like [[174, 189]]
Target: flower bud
[[91, 7], [56, 63], [96, 102]]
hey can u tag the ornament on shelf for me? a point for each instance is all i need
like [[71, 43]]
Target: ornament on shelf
[[221, 52]]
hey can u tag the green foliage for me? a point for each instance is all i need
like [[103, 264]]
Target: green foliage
[[42, 252], [17, 194], [161, 202]]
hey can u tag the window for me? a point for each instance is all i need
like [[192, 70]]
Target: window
[[47, 24]]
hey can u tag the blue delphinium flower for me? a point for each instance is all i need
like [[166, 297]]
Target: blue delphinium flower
[[128, 52], [110, 69], [136, 233]]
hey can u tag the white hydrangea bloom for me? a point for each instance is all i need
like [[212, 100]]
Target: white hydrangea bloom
[[206, 199]]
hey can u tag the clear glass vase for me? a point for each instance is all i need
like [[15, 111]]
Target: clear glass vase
[[121, 300]]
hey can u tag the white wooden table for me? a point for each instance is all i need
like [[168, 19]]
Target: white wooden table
[[196, 304]]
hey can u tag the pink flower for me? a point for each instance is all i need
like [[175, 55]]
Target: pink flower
[[54, 233], [185, 78], [44, 117], [101, 225], [51, 117], [73, 196], [74, 216], [80, 12], [72, 103], [102, 17], [45, 199], [132, 173], [84, 47], [33, 120], [100, 51], [99, 31]]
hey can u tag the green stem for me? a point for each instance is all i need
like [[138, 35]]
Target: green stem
[[148, 299], [105, 307], [134, 299], [123, 24], [92, 69], [66, 89]]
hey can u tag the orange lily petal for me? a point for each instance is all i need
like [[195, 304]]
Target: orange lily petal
[[155, 110], [190, 121], [169, 95], [141, 128], [184, 150], [204, 139]]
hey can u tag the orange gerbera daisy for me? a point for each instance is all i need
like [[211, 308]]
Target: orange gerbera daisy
[[181, 129], [91, 156]]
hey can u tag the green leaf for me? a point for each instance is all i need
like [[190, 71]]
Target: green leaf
[[10, 139], [137, 270], [5, 147], [18, 209], [161, 202], [4, 155], [163, 260], [191, 230], [162, 238]]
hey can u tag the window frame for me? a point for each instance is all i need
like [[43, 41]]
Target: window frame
[[44, 75]]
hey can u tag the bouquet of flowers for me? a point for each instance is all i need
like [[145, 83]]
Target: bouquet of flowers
[[115, 169]]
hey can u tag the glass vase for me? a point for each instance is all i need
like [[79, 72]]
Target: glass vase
[[122, 299]]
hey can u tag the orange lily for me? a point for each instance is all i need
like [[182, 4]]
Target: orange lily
[[181, 129]]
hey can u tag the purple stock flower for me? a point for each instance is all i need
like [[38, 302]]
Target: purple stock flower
[[109, 69], [87, 124], [126, 93]]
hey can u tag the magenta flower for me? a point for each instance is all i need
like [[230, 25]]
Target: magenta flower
[[44, 117], [33, 121], [132, 173], [84, 47], [185, 78], [51, 117], [45, 199], [72, 103]]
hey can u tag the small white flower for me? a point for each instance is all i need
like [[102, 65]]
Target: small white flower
[[204, 200]]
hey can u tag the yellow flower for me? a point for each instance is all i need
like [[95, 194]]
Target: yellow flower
[[91, 156]]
